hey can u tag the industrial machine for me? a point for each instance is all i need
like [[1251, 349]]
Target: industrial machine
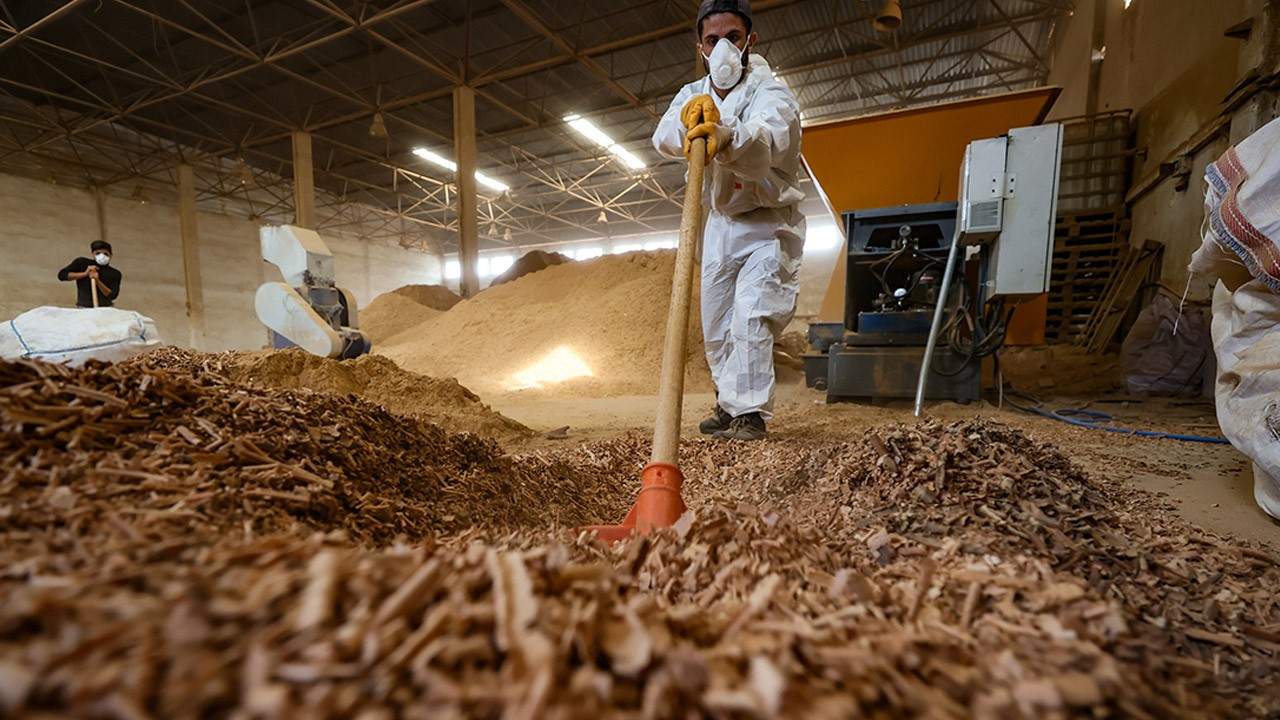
[[307, 310], [895, 258], [930, 288]]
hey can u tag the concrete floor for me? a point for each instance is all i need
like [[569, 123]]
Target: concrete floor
[[1208, 485]]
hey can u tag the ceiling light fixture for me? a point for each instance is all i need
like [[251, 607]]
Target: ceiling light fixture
[[599, 137], [889, 19], [246, 175], [379, 127], [451, 166]]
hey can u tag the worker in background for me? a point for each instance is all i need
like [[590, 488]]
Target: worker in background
[[755, 232], [97, 270]]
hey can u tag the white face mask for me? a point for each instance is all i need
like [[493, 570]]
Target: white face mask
[[102, 258], [725, 64]]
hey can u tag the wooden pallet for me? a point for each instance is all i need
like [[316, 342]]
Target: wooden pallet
[[1122, 292], [1088, 246], [1092, 232]]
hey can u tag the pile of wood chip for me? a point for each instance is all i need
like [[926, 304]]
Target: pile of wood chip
[[125, 449], [926, 571], [372, 377]]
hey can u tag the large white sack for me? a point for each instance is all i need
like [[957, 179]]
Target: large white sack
[[1246, 337], [74, 335], [1239, 248], [1242, 207]]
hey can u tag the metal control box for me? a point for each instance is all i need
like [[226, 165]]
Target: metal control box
[[1022, 257], [1009, 191]]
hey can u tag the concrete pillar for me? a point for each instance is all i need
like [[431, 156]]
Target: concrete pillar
[[304, 191], [191, 256], [464, 154]]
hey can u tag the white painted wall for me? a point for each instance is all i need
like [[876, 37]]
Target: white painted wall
[[43, 226]]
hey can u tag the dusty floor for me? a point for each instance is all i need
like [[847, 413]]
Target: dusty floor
[[1209, 485]]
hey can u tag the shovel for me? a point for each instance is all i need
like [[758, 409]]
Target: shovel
[[93, 287], [659, 503]]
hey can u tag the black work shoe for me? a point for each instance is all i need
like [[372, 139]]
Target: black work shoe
[[718, 421], [744, 427]]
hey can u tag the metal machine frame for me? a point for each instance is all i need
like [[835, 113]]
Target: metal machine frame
[[307, 310], [1004, 219], [875, 351]]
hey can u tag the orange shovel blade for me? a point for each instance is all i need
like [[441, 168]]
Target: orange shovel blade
[[658, 505]]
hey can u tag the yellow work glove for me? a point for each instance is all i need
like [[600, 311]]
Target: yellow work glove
[[700, 109], [709, 130]]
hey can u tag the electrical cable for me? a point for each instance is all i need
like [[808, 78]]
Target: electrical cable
[[893, 257], [959, 316], [916, 276], [1093, 419], [890, 258], [980, 343], [997, 376]]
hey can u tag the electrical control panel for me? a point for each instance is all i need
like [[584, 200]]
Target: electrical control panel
[[1009, 198]]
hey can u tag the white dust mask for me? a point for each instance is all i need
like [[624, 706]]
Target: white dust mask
[[725, 63], [102, 258]]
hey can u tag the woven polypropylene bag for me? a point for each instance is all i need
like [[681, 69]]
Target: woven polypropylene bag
[[1242, 205], [74, 335]]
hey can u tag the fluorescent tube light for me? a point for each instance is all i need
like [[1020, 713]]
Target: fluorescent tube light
[[451, 166], [601, 138]]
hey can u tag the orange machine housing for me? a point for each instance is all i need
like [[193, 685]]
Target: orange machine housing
[[911, 157]]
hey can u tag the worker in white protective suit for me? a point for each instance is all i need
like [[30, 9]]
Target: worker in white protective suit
[[755, 232]]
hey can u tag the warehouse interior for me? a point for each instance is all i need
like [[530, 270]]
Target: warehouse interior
[[402, 407]]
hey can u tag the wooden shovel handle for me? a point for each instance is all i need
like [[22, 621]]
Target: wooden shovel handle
[[666, 431]]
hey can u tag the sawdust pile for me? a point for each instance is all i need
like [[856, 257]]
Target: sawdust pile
[[436, 297], [371, 377], [1060, 370], [530, 262], [390, 314], [926, 571], [609, 313]]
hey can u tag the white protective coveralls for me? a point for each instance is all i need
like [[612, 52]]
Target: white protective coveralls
[[755, 232]]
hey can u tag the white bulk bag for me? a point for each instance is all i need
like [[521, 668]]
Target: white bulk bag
[[1246, 337], [1239, 248], [74, 335]]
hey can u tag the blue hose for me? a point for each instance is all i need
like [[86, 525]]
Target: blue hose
[[1091, 419]]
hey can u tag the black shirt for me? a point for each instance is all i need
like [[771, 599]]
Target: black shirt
[[84, 294]]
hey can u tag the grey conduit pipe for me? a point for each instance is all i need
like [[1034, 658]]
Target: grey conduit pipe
[[939, 311]]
